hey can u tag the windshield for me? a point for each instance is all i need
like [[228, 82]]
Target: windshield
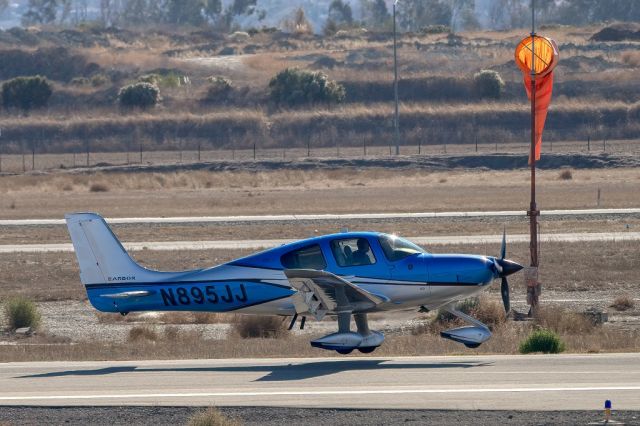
[[396, 248]]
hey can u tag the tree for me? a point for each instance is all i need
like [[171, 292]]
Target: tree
[[40, 12], [340, 12], [298, 23], [463, 15], [26, 93], [414, 15], [294, 86], [182, 12], [375, 13]]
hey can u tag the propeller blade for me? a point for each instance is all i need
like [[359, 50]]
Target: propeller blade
[[504, 290], [503, 249]]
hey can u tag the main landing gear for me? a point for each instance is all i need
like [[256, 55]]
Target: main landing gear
[[345, 340]]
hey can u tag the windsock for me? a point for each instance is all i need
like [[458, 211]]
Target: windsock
[[541, 62]]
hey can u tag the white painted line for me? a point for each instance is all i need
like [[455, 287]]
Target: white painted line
[[319, 393], [313, 217], [262, 244]]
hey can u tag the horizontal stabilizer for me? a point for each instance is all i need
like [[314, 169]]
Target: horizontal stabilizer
[[129, 294]]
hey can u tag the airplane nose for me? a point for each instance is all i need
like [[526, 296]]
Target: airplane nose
[[507, 267]]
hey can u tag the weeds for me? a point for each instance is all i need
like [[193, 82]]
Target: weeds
[[212, 417]]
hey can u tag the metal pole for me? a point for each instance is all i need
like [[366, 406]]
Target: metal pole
[[532, 292], [396, 121]]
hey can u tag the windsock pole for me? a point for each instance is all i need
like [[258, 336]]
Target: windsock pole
[[533, 287]]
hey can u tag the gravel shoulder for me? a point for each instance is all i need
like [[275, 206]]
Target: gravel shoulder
[[125, 416]]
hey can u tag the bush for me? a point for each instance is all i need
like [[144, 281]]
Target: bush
[[150, 78], [488, 84], [562, 321], [139, 95], [99, 80], [623, 303], [98, 187], [542, 340], [212, 417], [21, 312], [26, 92], [566, 174], [294, 86], [248, 326], [219, 88]]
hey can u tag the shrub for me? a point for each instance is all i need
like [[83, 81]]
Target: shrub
[[99, 187], [99, 80], [139, 95], [488, 84], [150, 78], [542, 340], [623, 302], [247, 326], [26, 92], [294, 86], [212, 417], [141, 333], [566, 174], [298, 23], [79, 81], [21, 312], [219, 88]]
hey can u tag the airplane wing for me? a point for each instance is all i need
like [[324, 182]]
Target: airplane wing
[[320, 292]]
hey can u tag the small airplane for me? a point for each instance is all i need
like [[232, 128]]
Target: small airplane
[[343, 275]]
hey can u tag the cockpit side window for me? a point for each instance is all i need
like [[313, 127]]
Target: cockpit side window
[[352, 252], [396, 248], [309, 257]]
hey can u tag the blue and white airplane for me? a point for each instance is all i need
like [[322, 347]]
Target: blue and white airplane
[[340, 275]]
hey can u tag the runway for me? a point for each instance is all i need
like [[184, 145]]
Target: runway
[[263, 244], [318, 217], [507, 382]]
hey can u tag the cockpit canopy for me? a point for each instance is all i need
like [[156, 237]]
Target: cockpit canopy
[[397, 248]]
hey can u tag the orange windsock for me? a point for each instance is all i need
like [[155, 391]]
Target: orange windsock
[[544, 87], [542, 63]]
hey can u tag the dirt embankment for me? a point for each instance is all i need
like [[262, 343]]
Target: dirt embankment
[[431, 163]]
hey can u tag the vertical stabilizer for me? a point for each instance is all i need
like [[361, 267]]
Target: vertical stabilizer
[[101, 257]]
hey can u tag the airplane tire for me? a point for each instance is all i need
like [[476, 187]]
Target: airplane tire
[[344, 351], [368, 350]]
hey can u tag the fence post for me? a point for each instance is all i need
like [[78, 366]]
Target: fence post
[[476, 143], [33, 157], [604, 144], [308, 147], [589, 143], [419, 146], [445, 147], [74, 159], [254, 151], [199, 152], [88, 150], [140, 152], [364, 146], [24, 163]]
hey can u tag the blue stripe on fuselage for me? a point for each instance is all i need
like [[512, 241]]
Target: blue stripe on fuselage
[[209, 296]]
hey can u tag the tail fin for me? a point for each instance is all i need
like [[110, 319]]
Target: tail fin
[[101, 257]]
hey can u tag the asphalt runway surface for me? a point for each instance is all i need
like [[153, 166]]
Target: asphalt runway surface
[[263, 244], [315, 217], [488, 382]]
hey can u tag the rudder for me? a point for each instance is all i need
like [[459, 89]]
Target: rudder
[[101, 256]]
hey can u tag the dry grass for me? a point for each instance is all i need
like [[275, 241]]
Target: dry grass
[[173, 345], [212, 417], [623, 302], [142, 333], [563, 321]]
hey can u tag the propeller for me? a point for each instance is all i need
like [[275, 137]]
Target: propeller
[[505, 268]]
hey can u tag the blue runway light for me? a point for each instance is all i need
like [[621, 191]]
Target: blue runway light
[[607, 404]]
